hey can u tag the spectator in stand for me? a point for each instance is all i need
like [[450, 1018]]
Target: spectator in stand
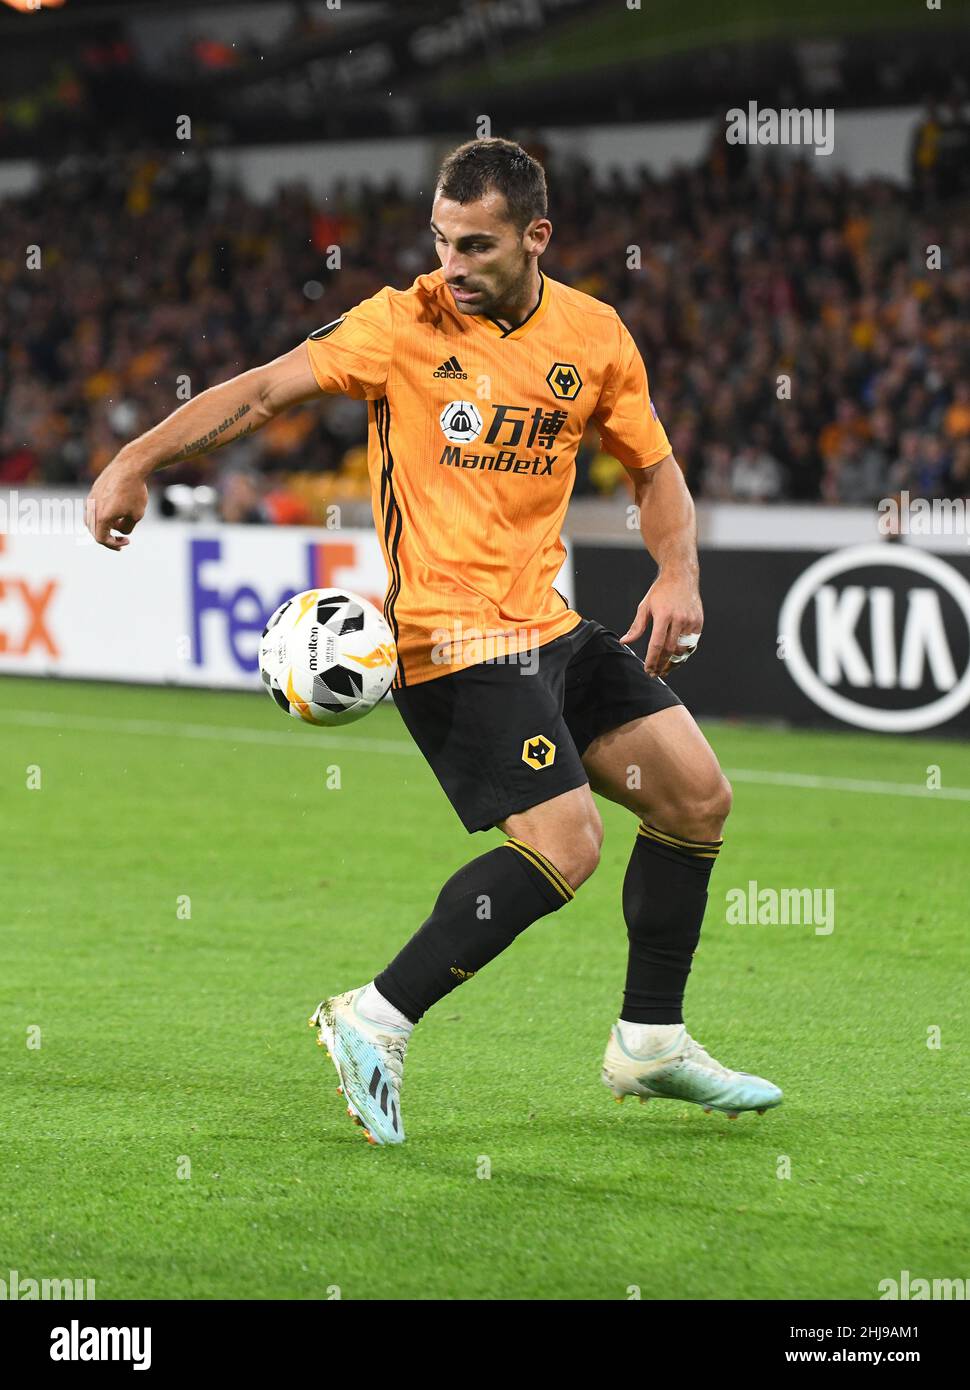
[[924, 156], [904, 471], [958, 478], [954, 147], [934, 466], [716, 479], [241, 497], [802, 462], [18, 462], [923, 467], [756, 475], [956, 420], [848, 424], [856, 473]]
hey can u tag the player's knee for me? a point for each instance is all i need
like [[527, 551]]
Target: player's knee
[[723, 800], [576, 850], [701, 815], [587, 852], [711, 810]]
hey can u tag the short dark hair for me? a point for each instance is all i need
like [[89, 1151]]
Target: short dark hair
[[478, 166]]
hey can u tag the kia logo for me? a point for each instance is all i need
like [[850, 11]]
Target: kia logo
[[888, 639]]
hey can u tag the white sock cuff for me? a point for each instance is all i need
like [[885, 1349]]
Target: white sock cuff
[[648, 1039], [379, 1010]]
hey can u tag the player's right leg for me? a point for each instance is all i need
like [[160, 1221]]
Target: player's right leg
[[495, 738]]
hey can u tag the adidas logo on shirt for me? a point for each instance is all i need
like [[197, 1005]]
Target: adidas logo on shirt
[[452, 370]]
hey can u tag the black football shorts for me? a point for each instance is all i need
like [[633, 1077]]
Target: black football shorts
[[504, 735]]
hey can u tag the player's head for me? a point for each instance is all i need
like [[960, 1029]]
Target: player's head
[[489, 222]]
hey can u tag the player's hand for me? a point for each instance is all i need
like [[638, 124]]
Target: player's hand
[[116, 502], [673, 605]]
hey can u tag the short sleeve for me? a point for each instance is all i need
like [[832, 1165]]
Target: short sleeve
[[351, 355], [628, 423]]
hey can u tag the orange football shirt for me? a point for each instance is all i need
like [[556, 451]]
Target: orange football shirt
[[472, 444]]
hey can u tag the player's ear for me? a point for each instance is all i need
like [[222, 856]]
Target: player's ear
[[537, 234]]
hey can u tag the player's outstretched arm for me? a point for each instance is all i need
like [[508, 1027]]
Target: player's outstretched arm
[[117, 501], [673, 602]]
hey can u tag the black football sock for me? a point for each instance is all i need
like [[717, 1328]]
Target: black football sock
[[480, 910], [664, 897]]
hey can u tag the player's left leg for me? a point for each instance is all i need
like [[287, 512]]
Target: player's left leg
[[661, 767]]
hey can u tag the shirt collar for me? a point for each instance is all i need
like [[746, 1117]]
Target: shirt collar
[[530, 320]]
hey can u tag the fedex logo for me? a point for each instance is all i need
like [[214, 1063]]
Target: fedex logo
[[24, 617], [228, 617]]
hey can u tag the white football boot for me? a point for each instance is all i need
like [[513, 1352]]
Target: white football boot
[[680, 1069], [369, 1058]]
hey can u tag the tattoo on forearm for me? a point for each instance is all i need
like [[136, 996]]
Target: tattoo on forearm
[[207, 442]]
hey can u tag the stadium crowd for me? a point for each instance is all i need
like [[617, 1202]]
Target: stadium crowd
[[804, 339]]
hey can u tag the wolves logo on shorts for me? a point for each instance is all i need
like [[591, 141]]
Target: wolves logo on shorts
[[538, 752]]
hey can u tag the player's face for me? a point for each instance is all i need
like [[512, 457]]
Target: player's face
[[487, 260]]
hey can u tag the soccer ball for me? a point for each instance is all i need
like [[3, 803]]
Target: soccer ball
[[327, 656]]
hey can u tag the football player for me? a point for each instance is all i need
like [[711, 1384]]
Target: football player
[[480, 380]]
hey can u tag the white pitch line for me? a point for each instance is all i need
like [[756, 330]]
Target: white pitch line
[[846, 784], [224, 733], [219, 733]]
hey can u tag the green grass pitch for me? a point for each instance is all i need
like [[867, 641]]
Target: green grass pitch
[[176, 1133]]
